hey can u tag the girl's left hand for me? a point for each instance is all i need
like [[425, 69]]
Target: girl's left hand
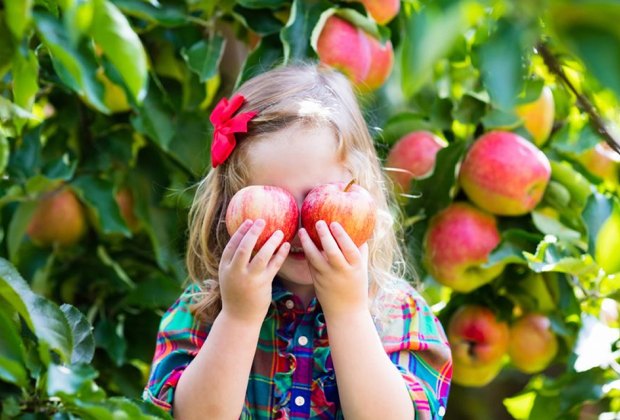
[[340, 271]]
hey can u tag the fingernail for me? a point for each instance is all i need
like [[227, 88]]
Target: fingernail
[[320, 224], [259, 223], [278, 234]]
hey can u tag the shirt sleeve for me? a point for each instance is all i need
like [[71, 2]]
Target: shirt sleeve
[[179, 338], [417, 344]]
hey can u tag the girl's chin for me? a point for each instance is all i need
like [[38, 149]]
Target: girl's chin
[[297, 256]]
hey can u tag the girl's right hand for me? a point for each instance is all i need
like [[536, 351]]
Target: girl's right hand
[[245, 280]]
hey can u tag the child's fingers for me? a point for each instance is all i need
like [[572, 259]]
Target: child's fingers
[[346, 244], [264, 254], [278, 259], [235, 240], [246, 246], [312, 253], [330, 246]]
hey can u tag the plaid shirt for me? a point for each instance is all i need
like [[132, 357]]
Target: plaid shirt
[[292, 374]]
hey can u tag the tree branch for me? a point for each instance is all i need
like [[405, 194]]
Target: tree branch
[[582, 101]]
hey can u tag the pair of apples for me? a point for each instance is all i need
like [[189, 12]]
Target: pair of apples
[[348, 204]]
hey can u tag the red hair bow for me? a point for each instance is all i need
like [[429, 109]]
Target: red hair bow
[[225, 127]]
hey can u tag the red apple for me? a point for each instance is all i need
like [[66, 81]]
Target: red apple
[[413, 157], [59, 219], [538, 116], [381, 63], [382, 11], [458, 241], [602, 161], [479, 342], [505, 174], [276, 206], [124, 199], [345, 47], [532, 344], [348, 204]]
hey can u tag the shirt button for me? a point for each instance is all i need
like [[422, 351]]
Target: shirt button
[[441, 411], [299, 401], [289, 304], [303, 340]]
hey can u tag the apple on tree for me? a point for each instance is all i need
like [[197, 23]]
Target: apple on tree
[[365, 60], [413, 157], [382, 11], [538, 116], [459, 239], [479, 343], [532, 345], [59, 219], [276, 206], [505, 174], [350, 205]]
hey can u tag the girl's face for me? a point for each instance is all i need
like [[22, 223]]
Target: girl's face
[[297, 159]]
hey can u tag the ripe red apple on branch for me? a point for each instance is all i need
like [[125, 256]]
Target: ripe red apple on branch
[[479, 342], [413, 157], [505, 174], [365, 60], [538, 116], [348, 204], [276, 206], [59, 219], [458, 241], [532, 344]]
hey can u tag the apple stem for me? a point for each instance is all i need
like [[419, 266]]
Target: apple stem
[[349, 185]]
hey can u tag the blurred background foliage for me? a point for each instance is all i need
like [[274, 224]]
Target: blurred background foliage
[[104, 133]]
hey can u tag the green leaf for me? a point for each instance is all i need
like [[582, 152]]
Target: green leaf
[[260, 4], [25, 79], [520, 405], [602, 218], [98, 194], [155, 119], [261, 21], [431, 33], [551, 226], [18, 16], [436, 190], [73, 382], [265, 56], [4, 153], [402, 123], [569, 141], [501, 64], [76, 69], [203, 58], [108, 336], [6, 46], [42, 316], [295, 36], [513, 244], [113, 33], [18, 226], [12, 360], [597, 210], [469, 110], [83, 339], [168, 14], [159, 291]]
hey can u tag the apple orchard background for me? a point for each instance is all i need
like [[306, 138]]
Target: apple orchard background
[[104, 132]]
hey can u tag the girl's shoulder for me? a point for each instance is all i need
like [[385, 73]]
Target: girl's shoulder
[[180, 315]]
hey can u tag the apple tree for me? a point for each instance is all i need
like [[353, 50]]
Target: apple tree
[[497, 121]]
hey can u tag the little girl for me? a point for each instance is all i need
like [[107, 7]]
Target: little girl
[[291, 331]]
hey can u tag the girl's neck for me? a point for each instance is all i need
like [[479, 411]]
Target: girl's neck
[[305, 292]]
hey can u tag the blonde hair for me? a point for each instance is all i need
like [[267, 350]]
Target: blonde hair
[[307, 94]]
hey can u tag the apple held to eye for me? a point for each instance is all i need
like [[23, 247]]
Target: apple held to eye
[[276, 206], [350, 205]]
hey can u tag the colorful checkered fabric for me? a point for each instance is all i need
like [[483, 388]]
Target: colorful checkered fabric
[[291, 379]]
